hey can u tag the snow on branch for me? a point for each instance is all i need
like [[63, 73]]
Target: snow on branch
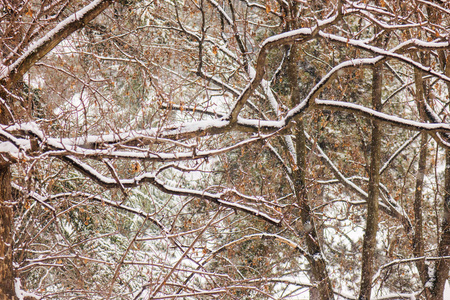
[[45, 44], [394, 53], [305, 34], [302, 34], [260, 236], [386, 118], [315, 91], [31, 263], [405, 261], [148, 155], [387, 205], [217, 198], [439, 7], [386, 26], [33, 195], [396, 153], [64, 147], [103, 201]]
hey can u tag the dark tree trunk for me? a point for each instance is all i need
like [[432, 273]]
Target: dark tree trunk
[[370, 234], [418, 243], [442, 268], [319, 271], [7, 275], [320, 278]]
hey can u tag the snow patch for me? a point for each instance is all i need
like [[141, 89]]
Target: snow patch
[[447, 291], [21, 294], [8, 147]]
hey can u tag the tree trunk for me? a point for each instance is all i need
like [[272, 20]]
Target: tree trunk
[[7, 275], [318, 265], [369, 243], [320, 278], [418, 243], [442, 268]]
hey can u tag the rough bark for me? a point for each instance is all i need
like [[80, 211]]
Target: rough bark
[[319, 272], [418, 243], [323, 289], [442, 268], [7, 275], [369, 243]]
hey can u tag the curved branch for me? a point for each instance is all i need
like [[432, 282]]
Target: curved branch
[[375, 115], [151, 178], [299, 35], [394, 52]]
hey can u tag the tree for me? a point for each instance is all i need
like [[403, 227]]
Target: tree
[[231, 149]]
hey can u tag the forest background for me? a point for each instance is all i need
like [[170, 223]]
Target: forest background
[[224, 149]]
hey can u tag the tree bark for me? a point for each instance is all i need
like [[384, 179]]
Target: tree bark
[[320, 278], [369, 243], [7, 273], [418, 243], [442, 268], [317, 263]]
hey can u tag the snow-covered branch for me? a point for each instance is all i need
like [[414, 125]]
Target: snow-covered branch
[[45, 44], [386, 118], [217, 198]]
